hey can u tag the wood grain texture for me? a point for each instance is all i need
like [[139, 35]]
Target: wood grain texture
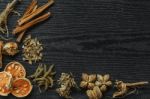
[[93, 36]]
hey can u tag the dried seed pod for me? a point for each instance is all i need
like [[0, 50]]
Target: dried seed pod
[[10, 48], [95, 93], [88, 81], [103, 82], [1, 56], [32, 50], [124, 88], [43, 77], [66, 83]]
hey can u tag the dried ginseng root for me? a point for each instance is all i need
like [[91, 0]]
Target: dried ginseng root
[[21, 87], [5, 83], [10, 48], [125, 89], [43, 77], [66, 83], [4, 15], [32, 50], [16, 69], [31, 17]]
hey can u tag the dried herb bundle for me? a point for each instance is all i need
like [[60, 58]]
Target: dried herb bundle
[[29, 18], [43, 77], [32, 50], [66, 82], [124, 88], [95, 85], [4, 15]]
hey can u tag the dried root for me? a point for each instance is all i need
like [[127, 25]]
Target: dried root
[[124, 88]]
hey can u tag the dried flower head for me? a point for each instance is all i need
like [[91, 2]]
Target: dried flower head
[[66, 82], [103, 82], [124, 88], [10, 48], [95, 93], [32, 50], [88, 81]]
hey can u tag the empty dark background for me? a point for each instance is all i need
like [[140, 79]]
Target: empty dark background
[[92, 36]]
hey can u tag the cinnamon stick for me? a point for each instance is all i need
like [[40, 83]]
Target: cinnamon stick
[[1, 56], [35, 13], [32, 23]]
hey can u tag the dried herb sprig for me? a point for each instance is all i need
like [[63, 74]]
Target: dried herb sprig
[[124, 88], [32, 50], [29, 18], [4, 15], [66, 83], [43, 77]]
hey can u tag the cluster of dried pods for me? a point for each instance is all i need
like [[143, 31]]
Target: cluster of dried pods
[[43, 77], [96, 85], [32, 50]]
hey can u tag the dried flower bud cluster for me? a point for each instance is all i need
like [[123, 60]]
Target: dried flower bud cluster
[[96, 85], [66, 82], [44, 77], [32, 50]]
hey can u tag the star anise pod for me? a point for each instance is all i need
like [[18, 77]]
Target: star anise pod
[[103, 82], [88, 81]]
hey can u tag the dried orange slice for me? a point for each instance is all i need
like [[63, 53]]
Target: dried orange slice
[[16, 69], [5, 83], [21, 87]]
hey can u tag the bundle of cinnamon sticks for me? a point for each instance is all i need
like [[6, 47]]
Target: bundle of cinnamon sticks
[[31, 17]]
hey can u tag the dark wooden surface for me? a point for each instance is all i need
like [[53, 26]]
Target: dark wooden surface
[[93, 36]]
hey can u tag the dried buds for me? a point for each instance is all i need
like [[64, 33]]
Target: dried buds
[[32, 50], [66, 82], [124, 88], [88, 81], [103, 82]]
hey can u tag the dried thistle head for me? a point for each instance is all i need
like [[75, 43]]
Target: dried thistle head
[[88, 81], [66, 82], [103, 82]]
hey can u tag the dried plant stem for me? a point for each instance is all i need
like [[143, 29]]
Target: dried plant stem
[[30, 24], [35, 13], [20, 36], [1, 57], [136, 84]]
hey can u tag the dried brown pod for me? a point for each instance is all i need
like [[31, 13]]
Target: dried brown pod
[[95, 93], [124, 88], [103, 82], [66, 83], [1, 56], [88, 81], [10, 48]]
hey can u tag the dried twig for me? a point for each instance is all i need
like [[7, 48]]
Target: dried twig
[[1, 56]]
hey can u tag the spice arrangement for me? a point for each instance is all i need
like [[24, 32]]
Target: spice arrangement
[[13, 79], [43, 76], [32, 50]]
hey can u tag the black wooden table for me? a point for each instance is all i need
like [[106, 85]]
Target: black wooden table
[[92, 36]]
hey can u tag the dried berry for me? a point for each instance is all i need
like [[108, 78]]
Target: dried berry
[[32, 50], [103, 82], [88, 81]]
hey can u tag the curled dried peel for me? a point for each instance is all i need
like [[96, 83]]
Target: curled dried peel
[[21, 87], [16, 69], [5, 83]]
